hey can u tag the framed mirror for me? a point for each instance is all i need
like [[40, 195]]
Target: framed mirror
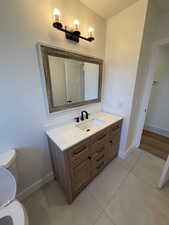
[[71, 79]]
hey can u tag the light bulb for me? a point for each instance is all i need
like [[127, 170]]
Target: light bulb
[[57, 15], [76, 24], [91, 32], [56, 12]]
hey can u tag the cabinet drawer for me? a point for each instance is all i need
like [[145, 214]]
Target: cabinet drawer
[[98, 163], [98, 142], [99, 136], [98, 147], [115, 130], [79, 153], [116, 127], [97, 168], [80, 176]]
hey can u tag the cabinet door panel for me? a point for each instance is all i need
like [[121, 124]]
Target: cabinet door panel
[[112, 151], [115, 131], [113, 142], [80, 176]]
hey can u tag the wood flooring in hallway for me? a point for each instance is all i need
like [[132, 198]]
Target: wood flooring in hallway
[[155, 144]]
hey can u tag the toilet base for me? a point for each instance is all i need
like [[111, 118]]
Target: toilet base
[[16, 212]]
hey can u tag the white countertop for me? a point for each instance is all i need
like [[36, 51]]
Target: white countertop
[[69, 134]]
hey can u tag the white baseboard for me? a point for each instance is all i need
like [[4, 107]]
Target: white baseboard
[[157, 130], [34, 187], [123, 155], [49, 177]]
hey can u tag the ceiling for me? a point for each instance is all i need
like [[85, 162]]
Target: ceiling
[[108, 8]]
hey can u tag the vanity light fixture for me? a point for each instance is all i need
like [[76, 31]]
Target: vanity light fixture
[[74, 33]]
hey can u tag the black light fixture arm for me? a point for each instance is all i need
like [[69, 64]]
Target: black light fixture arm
[[71, 35]]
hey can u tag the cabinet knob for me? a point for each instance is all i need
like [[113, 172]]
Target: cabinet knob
[[89, 157]]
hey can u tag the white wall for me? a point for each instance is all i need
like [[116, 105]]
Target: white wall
[[158, 110], [162, 28], [123, 44], [142, 81], [156, 29], [23, 112]]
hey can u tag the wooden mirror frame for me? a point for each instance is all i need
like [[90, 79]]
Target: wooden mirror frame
[[45, 52]]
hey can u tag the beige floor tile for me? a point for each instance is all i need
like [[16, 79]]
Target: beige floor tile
[[165, 190], [36, 209], [126, 190], [104, 219], [131, 159], [136, 203], [104, 185], [49, 207], [149, 169]]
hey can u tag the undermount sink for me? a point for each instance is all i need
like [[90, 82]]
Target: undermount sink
[[90, 124]]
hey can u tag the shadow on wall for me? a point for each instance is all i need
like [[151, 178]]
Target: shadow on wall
[[27, 158]]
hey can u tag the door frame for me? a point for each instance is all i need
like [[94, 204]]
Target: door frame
[[147, 90]]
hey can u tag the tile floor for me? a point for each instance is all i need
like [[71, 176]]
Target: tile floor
[[125, 193]]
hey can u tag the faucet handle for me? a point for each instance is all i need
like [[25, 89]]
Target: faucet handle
[[77, 119]]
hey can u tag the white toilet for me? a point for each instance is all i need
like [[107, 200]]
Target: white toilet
[[11, 211]]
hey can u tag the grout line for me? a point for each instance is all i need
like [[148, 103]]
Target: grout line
[[118, 187], [104, 212], [100, 207], [113, 223], [137, 161], [97, 219], [142, 180], [122, 181]]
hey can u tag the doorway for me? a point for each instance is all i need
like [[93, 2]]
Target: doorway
[[155, 137]]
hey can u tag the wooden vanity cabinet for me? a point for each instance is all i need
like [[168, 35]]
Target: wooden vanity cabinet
[[98, 146], [74, 168], [113, 141]]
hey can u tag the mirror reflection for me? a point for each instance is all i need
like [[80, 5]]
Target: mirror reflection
[[73, 81]]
